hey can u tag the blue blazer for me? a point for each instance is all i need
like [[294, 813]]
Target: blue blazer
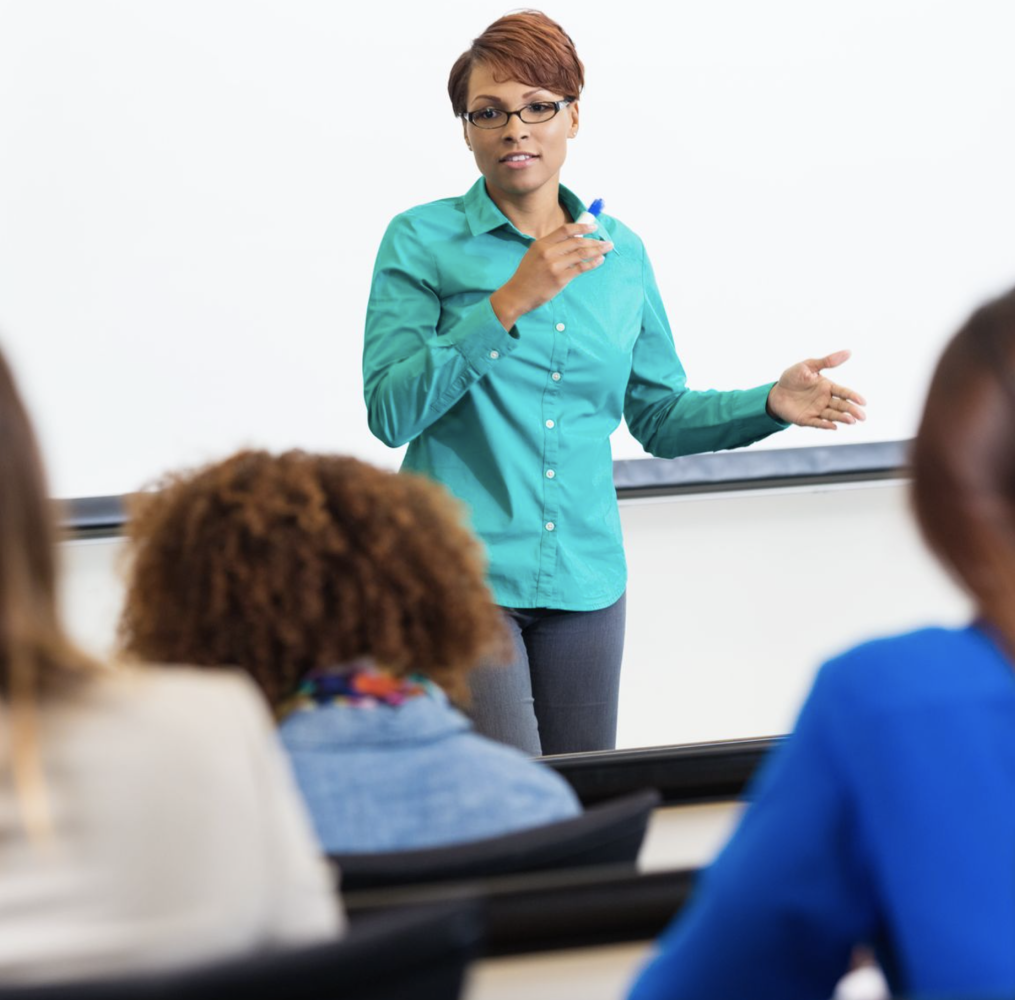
[[887, 819]]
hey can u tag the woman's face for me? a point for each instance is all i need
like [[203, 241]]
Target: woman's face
[[518, 159]]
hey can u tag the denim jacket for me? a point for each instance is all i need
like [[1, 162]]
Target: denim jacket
[[388, 778]]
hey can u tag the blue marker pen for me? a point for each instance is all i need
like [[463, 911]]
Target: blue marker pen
[[591, 214]]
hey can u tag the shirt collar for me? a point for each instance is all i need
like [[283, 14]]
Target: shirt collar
[[483, 216], [417, 721]]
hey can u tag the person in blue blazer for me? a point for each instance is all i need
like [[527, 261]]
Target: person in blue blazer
[[887, 819]]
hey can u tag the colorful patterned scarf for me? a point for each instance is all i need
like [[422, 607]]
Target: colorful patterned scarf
[[359, 684]]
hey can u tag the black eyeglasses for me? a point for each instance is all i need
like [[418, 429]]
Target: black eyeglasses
[[531, 114]]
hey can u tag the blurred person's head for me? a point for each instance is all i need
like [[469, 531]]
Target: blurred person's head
[[964, 462], [286, 564], [36, 657], [35, 654]]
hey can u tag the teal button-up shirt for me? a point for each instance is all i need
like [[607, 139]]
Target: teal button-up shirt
[[517, 423]]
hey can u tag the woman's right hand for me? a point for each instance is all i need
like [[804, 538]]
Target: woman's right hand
[[549, 265]]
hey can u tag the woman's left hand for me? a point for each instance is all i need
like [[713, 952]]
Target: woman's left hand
[[804, 396]]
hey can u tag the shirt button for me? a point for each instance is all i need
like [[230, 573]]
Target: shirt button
[[550, 423], [561, 328], [555, 376], [494, 355], [550, 526], [550, 473]]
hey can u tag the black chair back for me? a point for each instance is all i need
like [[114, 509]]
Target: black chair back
[[608, 833], [415, 954]]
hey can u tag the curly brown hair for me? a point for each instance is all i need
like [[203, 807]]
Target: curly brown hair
[[282, 564]]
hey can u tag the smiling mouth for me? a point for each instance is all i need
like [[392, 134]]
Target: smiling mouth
[[518, 158]]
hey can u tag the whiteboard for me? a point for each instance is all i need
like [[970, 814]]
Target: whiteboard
[[192, 193]]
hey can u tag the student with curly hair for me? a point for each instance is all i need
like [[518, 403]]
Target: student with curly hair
[[147, 817], [356, 599]]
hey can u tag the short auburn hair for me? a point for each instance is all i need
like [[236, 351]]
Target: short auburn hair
[[283, 564], [526, 46]]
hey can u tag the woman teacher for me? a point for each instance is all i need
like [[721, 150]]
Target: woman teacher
[[504, 342]]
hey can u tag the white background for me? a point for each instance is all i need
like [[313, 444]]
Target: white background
[[192, 193]]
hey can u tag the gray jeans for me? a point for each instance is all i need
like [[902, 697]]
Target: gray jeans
[[559, 693]]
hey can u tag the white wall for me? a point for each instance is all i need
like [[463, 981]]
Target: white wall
[[733, 602], [192, 193]]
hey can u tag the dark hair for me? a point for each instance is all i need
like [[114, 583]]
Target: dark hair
[[282, 564], [36, 657], [964, 462], [526, 46]]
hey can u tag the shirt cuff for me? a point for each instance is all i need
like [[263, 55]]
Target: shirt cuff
[[481, 339], [778, 421]]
